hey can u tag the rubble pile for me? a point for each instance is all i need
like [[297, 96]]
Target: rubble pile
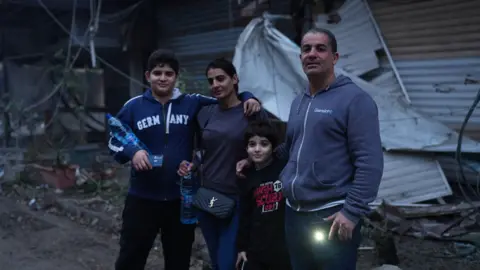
[[445, 222]]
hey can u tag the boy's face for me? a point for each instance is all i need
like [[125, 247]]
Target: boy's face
[[162, 80], [259, 149]]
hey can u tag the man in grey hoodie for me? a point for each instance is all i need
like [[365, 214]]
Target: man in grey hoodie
[[335, 161]]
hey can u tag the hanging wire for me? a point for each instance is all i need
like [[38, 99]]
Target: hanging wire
[[458, 154], [100, 59]]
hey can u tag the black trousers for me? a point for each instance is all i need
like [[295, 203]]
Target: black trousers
[[253, 264], [142, 220]]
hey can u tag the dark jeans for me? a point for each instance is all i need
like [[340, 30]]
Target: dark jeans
[[221, 237], [308, 254], [142, 220]]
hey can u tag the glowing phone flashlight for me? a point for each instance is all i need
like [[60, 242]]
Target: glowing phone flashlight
[[319, 236]]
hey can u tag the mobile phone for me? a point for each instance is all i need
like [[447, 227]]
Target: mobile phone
[[320, 230]]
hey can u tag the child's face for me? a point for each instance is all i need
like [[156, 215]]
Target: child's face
[[162, 80], [259, 149]]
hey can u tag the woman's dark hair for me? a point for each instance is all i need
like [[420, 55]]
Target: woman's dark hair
[[226, 66], [162, 57], [262, 128]]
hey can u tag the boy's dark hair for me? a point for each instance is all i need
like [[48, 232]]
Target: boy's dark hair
[[332, 40], [262, 128], [225, 65], [162, 57]]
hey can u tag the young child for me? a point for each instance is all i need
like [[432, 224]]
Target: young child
[[261, 235]]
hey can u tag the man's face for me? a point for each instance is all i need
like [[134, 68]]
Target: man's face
[[316, 54], [259, 149], [162, 79], [221, 84]]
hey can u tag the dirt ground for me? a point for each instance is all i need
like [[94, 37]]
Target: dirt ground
[[83, 234]]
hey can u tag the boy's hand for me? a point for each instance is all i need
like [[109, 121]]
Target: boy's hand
[[242, 165], [140, 161], [251, 106], [241, 257], [184, 168]]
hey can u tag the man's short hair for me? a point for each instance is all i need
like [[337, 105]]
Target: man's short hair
[[162, 57], [262, 128], [332, 40]]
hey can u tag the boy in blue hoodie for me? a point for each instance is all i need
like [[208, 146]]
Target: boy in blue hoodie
[[164, 120]]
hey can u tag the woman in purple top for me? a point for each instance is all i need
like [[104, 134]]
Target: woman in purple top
[[223, 127]]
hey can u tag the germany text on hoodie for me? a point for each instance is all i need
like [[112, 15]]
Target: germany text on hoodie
[[166, 130]]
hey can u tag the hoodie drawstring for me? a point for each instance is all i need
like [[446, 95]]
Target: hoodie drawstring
[[167, 122], [300, 104]]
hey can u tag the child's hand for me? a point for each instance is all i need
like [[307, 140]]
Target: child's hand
[[184, 168], [140, 161], [242, 165], [241, 258]]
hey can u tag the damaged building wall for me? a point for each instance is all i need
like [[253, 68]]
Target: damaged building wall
[[356, 38], [201, 31], [34, 48], [404, 123], [407, 178], [40, 100], [436, 46]]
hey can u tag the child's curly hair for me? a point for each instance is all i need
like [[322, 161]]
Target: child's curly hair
[[262, 128]]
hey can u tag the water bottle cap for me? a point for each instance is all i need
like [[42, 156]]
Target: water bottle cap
[[109, 116]]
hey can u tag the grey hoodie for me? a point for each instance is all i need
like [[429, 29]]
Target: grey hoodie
[[335, 151]]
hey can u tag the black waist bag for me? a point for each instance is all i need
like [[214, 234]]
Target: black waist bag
[[208, 200], [214, 203]]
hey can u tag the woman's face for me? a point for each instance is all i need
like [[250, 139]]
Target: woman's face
[[221, 84]]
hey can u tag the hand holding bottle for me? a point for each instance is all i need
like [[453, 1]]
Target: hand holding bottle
[[184, 168], [141, 161]]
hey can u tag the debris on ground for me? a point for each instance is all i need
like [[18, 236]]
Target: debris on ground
[[387, 267], [456, 227], [448, 222]]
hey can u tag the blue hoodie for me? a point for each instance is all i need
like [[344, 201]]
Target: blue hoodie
[[334, 149], [165, 129]]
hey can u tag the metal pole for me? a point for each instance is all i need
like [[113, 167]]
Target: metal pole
[[387, 51], [5, 94], [308, 16]]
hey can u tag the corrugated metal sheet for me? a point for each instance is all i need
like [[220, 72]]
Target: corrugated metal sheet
[[356, 38], [429, 29], [471, 170], [437, 88], [411, 178], [200, 31], [197, 50], [407, 178], [436, 46], [402, 127]]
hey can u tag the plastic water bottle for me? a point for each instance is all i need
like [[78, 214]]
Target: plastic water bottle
[[123, 133], [187, 212]]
